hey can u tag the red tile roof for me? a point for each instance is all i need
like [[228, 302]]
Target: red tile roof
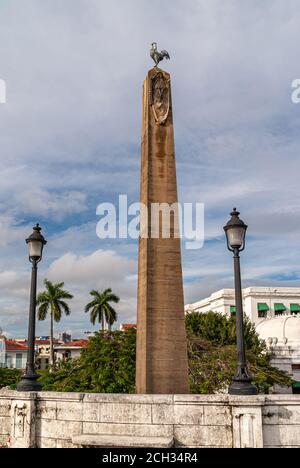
[[39, 342], [74, 344], [77, 343], [128, 326], [11, 345]]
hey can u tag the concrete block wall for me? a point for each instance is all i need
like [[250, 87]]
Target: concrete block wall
[[281, 421], [53, 420]]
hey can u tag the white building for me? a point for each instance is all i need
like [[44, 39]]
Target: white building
[[259, 303], [71, 350], [42, 350], [13, 355], [282, 336], [276, 315]]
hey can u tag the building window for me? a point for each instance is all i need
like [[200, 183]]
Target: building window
[[295, 309], [262, 310], [8, 361], [232, 310], [279, 309], [66, 355], [19, 359]]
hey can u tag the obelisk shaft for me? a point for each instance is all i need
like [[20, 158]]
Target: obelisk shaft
[[162, 365]]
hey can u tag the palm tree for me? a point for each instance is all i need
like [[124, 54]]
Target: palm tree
[[53, 300], [100, 308]]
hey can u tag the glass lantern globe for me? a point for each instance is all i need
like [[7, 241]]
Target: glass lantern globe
[[235, 231], [36, 242]]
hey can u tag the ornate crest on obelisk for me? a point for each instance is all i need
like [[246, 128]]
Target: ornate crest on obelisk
[[160, 96]]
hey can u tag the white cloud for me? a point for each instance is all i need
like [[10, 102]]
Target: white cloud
[[8, 278], [10, 231], [42, 203], [100, 267]]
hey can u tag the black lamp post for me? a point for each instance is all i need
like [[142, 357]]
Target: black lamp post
[[235, 231], [36, 244]]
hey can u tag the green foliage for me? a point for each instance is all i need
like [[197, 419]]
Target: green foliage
[[212, 354], [100, 308], [211, 367], [9, 377], [106, 365], [221, 330], [54, 298]]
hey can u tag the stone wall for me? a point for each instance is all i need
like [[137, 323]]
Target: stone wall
[[59, 419], [281, 421]]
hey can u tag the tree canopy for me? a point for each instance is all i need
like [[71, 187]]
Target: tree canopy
[[53, 300], [100, 308], [9, 377], [107, 364], [212, 354]]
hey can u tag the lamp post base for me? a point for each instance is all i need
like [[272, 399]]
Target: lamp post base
[[29, 383], [242, 387]]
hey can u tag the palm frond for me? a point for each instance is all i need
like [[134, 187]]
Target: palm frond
[[110, 314], [100, 308], [94, 293], [42, 297], [49, 287], [113, 298], [90, 305], [43, 310], [65, 307], [56, 312], [95, 314], [64, 295]]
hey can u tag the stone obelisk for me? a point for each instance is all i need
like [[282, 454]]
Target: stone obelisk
[[162, 365]]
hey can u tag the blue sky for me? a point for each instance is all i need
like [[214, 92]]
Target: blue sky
[[70, 139]]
